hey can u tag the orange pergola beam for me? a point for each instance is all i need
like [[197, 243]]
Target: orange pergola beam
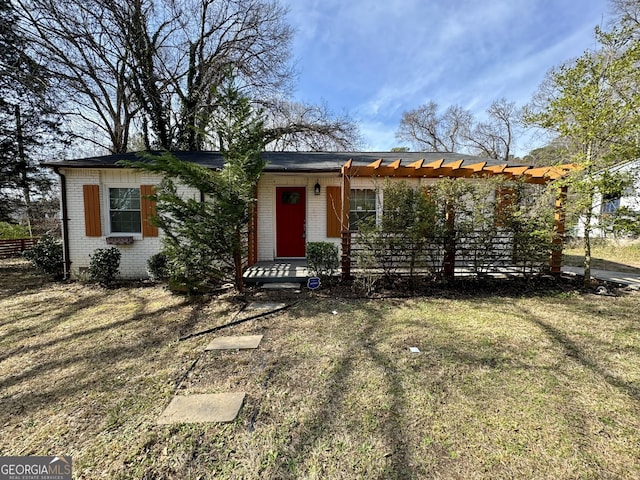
[[456, 168]]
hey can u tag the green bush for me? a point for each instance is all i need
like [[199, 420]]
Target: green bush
[[322, 259], [10, 231], [46, 256], [193, 268], [104, 266], [158, 266]]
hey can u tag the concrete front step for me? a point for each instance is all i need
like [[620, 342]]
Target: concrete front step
[[281, 285]]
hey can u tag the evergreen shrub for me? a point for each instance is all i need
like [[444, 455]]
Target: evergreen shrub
[[104, 266]]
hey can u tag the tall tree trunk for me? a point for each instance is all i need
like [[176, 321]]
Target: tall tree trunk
[[23, 170], [587, 249], [237, 260], [587, 221]]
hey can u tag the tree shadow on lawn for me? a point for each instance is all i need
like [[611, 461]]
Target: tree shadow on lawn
[[332, 404], [573, 351], [464, 355], [19, 276], [97, 364], [21, 332]]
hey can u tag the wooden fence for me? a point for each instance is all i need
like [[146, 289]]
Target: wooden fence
[[14, 248]]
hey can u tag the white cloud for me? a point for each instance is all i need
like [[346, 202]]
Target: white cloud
[[377, 59]]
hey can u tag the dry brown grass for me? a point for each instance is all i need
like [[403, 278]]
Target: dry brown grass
[[622, 256], [504, 386]]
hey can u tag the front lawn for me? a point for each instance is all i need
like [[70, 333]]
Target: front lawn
[[609, 255], [504, 386]]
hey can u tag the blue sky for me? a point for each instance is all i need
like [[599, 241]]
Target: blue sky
[[375, 59]]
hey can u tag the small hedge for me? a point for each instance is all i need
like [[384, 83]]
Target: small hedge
[[158, 267], [104, 266], [46, 256], [322, 259]]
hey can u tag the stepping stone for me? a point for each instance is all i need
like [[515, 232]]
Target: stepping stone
[[203, 408], [265, 306], [235, 343]]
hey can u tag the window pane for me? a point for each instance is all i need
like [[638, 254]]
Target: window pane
[[357, 218], [290, 198], [610, 204], [124, 199], [362, 208], [125, 222]]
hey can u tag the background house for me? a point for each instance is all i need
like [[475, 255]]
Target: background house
[[605, 207]]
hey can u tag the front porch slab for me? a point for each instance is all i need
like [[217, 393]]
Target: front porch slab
[[202, 408], [235, 343], [277, 271]]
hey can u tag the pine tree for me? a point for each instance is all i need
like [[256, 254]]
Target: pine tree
[[27, 121], [206, 237]]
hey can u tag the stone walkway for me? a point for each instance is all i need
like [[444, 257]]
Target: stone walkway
[[235, 343], [214, 407], [630, 279], [202, 408]]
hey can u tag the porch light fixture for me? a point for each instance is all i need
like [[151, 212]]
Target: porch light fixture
[[316, 188]]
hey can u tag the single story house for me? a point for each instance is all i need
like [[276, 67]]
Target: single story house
[[301, 197]]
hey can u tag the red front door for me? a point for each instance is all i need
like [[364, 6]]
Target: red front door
[[290, 221]]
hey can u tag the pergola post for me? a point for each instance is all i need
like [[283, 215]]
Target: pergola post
[[449, 263], [555, 262], [345, 257], [253, 231]]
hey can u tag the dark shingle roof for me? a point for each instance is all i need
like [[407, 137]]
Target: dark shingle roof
[[314, 162]]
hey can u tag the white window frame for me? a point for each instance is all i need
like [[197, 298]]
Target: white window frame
[[376, 209], [108, 209], [610, 204]]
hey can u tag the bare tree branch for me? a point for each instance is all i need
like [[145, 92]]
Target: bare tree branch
[[298, 126], [427, 130]]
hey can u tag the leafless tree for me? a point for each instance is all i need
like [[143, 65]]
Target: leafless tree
[[181, 53], [428, 130], [298, 126], [626, 13], [495, 137], [73, 39], [150, 69]]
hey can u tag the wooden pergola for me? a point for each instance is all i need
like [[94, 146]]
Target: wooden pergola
[[439, 169], [457, 169]]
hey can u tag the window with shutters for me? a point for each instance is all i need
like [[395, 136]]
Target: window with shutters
[[124, 210]]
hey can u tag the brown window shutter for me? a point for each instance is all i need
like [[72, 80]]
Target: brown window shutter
[[334, 212], [148, 210], [92, 224]]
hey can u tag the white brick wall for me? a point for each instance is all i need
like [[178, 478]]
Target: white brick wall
[[133, 263], [316, 205]]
